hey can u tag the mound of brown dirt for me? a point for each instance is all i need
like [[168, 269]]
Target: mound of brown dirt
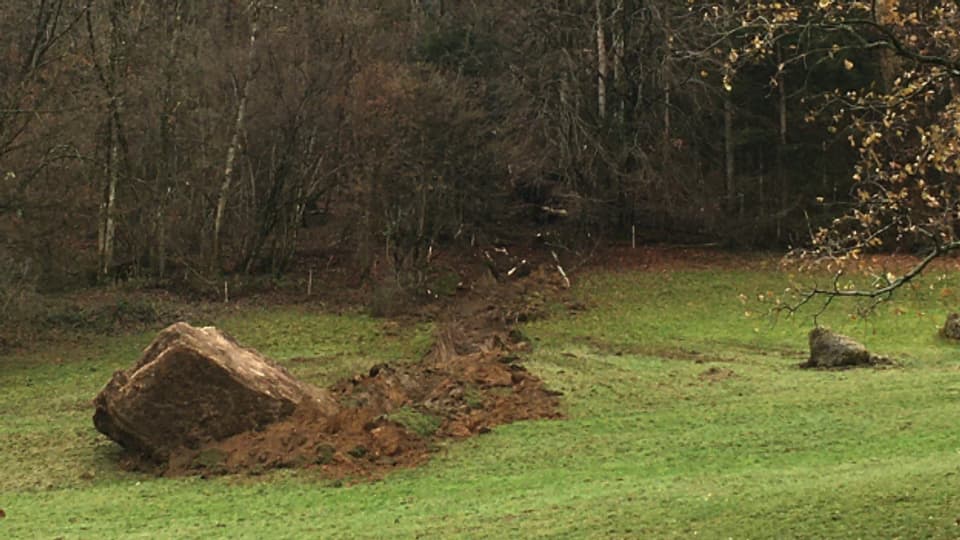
[[379, 424], [392, 415]]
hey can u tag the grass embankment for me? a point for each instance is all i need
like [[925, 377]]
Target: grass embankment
[[685, 417]]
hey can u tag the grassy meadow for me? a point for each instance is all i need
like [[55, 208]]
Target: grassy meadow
[[686, 418]]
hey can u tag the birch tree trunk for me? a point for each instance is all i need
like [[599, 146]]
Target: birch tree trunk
[[110, 202], [601, 63], [233, 148], [619, 52], [109, 76]]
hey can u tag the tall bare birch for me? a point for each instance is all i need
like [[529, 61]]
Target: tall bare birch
[[242, 89]]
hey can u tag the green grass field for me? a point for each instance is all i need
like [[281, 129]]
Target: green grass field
[[686, 417]]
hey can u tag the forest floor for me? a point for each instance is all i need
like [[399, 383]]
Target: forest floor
[[683, 410]]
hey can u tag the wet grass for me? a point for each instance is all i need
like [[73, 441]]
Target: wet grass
[[653, 446]]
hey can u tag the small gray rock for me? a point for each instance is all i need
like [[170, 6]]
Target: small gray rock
[[951, 328]]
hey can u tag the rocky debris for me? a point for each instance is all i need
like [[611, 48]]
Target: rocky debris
[[195, 385], [951, 328], [830, 350], [176, 407], [390, 416]]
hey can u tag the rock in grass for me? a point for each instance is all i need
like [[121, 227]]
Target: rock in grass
[[194, 385], [951, 328], [829, 349]]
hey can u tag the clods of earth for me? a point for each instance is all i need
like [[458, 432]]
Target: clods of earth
[[197, 402]]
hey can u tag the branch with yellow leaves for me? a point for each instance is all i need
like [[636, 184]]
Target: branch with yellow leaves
[[882, 291]]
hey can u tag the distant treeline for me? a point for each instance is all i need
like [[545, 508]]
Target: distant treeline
[[207, 135]]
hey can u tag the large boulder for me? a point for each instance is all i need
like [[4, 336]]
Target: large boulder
[[829, 349], [194, 385]]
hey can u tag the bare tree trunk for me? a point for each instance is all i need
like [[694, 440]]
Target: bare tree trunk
[[417, 15], [733, 198], [110, 202], [728, 151], [666, 121], [619, 51], [161, 240], [109, 76], [884, 14], [168, 169], [782, 143], [233, 148], [667, 91], [564, 146], [601, 63]]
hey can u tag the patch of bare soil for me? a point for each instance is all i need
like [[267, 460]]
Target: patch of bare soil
[[393, 416], [716, 374]]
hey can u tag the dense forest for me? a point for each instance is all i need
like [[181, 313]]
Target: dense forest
[[176, 138]]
